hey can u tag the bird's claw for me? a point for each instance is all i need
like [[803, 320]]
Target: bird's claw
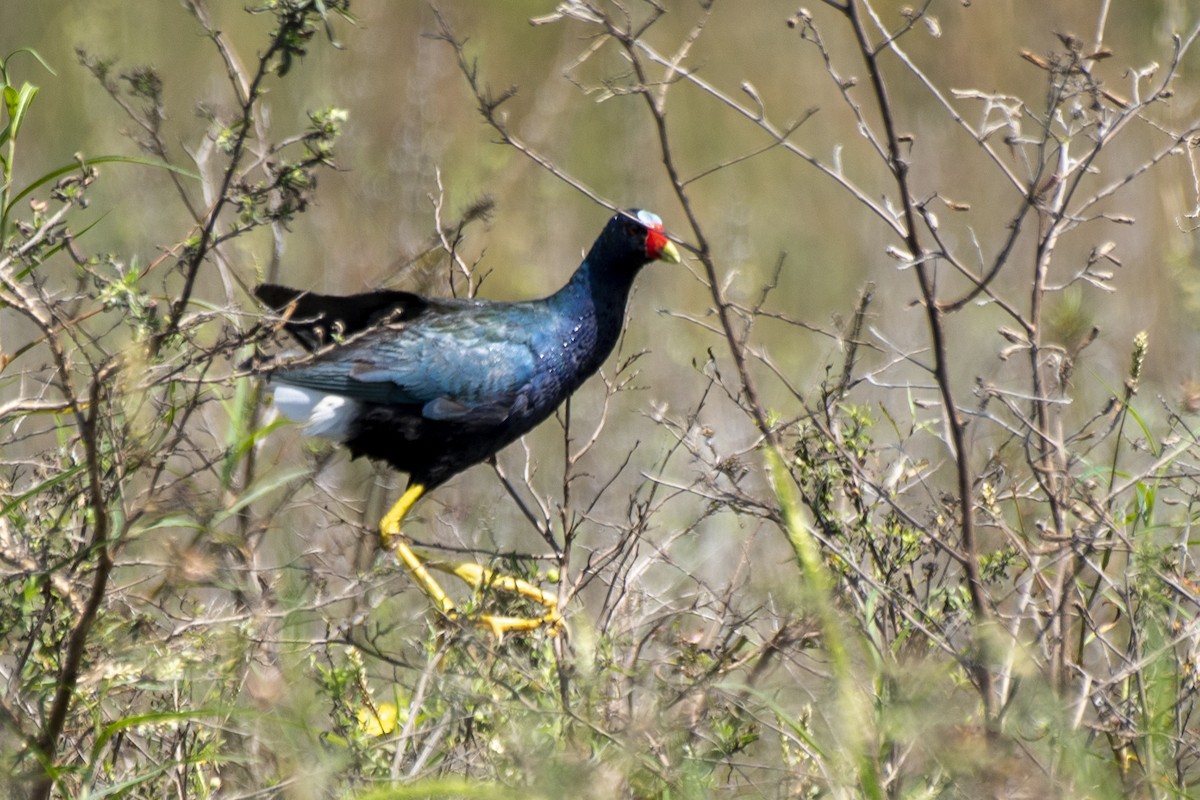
[[480, 577], [498, 626]]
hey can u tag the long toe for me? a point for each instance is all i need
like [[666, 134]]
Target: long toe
[[552, 623]]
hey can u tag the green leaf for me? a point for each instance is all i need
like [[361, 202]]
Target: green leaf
[[180, 520], [27, 51], [782, 715], [125, 723], [50, 251], [257, 490], [20, 105], [57, 173], [10, 100], [49, 483], [145, 162], [1152, 442]]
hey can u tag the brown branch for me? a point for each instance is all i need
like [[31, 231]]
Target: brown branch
[[935, 320], [49, 740], [200, 250]]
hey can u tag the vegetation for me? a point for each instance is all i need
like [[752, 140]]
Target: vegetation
[[893, 498]]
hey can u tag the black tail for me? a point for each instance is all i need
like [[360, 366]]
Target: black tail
[[318, 319]]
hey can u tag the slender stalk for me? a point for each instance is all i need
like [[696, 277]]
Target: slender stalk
[[935, 322], [49, 740]]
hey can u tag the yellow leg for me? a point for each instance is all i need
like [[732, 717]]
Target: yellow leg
[[479, 577], [390, 538], [389, 526]]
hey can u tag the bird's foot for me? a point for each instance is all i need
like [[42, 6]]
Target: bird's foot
[[483, 578], [479, 578], [552, 623]]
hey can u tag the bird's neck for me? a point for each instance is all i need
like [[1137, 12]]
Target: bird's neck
[[598, 293], [590, 312]]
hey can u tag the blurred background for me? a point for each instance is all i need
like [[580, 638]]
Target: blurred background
[[412, 121], [411, 116]]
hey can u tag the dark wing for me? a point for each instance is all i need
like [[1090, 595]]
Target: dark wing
[[318, 319], [474, 364]]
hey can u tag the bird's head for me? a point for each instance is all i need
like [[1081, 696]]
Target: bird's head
[[637, 237]]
